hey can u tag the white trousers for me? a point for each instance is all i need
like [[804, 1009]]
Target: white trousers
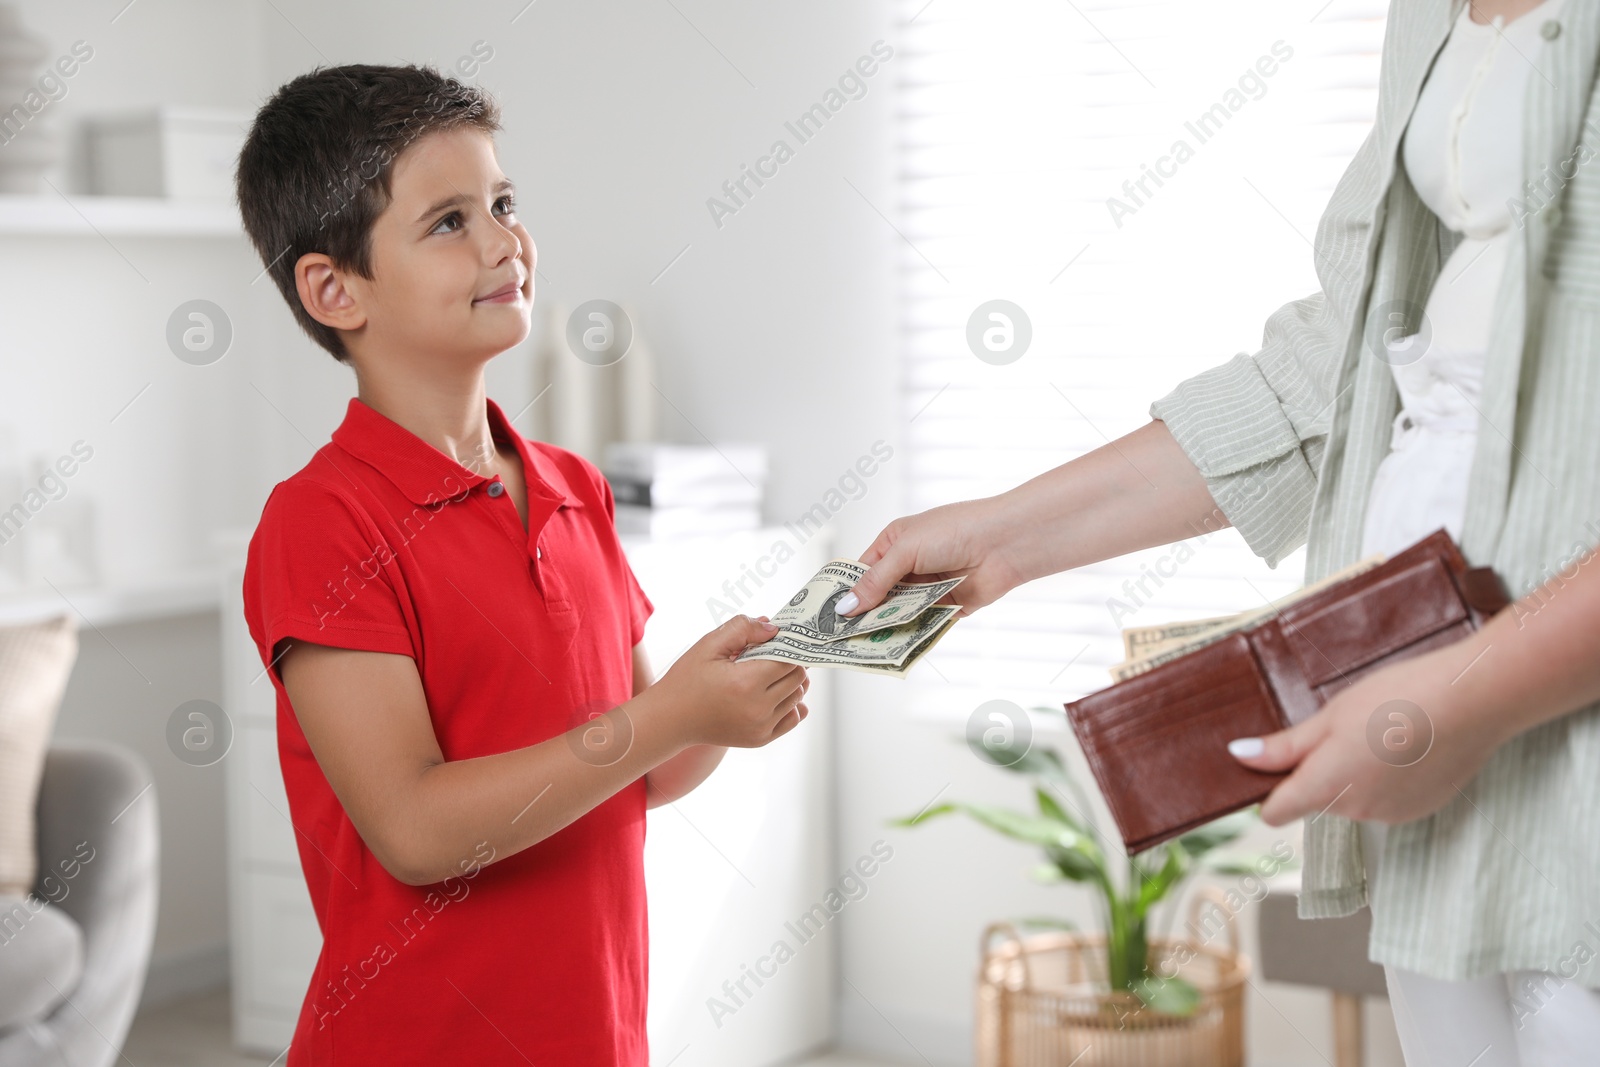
[[1518, 1019]]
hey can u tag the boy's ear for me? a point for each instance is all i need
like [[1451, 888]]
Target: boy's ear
[[324, 295]]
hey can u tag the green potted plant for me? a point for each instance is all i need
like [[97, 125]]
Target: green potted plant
[[1127, 887]]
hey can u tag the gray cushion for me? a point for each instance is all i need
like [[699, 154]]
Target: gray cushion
[[41, 958], [1331, 953]]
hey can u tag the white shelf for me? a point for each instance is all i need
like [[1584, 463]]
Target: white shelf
[[183, 592], [89, 216]]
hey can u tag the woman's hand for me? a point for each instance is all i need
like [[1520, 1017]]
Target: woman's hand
[[1135, 492], [1395, 746], [969, 538]]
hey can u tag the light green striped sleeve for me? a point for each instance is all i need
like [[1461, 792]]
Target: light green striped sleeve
[[1232, 425]]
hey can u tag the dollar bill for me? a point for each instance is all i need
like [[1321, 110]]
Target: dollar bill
[[889, 650], [889, 639], [1182, 647], [812, 613], [1139, 641]]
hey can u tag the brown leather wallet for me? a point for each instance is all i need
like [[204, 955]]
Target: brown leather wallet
[[1157, 742]]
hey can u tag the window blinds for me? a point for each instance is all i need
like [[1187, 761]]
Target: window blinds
[[1142, 180]]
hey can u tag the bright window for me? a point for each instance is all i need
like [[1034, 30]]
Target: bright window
[[1018, 121]]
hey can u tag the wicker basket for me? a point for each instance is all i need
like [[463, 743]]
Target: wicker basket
[[1043, 1001]]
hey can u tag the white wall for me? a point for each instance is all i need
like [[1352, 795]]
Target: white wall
[[84, 333]]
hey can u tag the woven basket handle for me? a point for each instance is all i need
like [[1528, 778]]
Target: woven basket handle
[[1011, 934], [1210, 894]]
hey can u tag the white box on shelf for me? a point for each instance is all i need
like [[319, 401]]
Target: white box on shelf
[[168, 151], [686, 521]]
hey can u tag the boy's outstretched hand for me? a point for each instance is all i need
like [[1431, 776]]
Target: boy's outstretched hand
[[715, 701]]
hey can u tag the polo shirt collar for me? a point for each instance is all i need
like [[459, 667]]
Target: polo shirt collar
[[426, 475]]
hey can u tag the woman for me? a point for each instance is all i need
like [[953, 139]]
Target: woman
[[1448, 374]]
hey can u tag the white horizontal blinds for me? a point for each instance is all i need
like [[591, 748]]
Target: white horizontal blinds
[[1018, 119]]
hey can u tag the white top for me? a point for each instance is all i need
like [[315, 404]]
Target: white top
[[1462, 150]]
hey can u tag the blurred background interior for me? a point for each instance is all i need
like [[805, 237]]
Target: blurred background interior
[[808, 333]]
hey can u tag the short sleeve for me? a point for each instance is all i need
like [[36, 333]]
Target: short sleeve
[[640, 607], [319, 570]]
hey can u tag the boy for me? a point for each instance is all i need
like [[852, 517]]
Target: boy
[[466, 721]]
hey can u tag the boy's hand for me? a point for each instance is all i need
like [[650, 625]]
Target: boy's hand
[[715, 701]]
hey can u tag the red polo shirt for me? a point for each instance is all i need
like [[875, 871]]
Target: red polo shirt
[[382, 542]]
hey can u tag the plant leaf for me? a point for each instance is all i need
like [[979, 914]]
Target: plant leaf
[[1048, 874], [1153, 887], [1079, 865], [1249, 863], [1170, 996], [1073, 852], [1216, 833], [1033, 829], [1051, 808], [1046, 922], [1036, 760]]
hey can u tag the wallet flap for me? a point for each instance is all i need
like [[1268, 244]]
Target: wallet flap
[[1331, 637]]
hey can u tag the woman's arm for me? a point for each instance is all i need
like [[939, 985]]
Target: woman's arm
[[1531, 663], [1138, 491]]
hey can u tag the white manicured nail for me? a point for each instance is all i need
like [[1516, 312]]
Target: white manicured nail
[[847, 603], [1245, 747]]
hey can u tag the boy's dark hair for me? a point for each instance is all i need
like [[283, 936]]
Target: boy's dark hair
[[314, 172]]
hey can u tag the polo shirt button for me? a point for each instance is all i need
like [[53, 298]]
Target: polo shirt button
[[538, 553], [496, 488], [1550, 30]]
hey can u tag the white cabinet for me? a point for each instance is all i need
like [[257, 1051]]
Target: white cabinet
[[726, 867]]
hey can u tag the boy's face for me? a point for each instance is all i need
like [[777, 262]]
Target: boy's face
[[448, 242]]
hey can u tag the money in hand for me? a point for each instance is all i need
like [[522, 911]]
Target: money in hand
[[886, 640]]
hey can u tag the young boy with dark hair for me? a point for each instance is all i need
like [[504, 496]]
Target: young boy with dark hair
[[467, 724]]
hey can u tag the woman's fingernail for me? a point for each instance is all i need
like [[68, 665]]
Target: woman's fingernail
[[1245, 747], [847, 603]]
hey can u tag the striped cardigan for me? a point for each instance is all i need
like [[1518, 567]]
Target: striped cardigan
[[1289, 439]]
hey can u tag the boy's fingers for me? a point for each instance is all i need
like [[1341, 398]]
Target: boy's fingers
[[740, 632], [788, 679], [789, 721], [790, 699]]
